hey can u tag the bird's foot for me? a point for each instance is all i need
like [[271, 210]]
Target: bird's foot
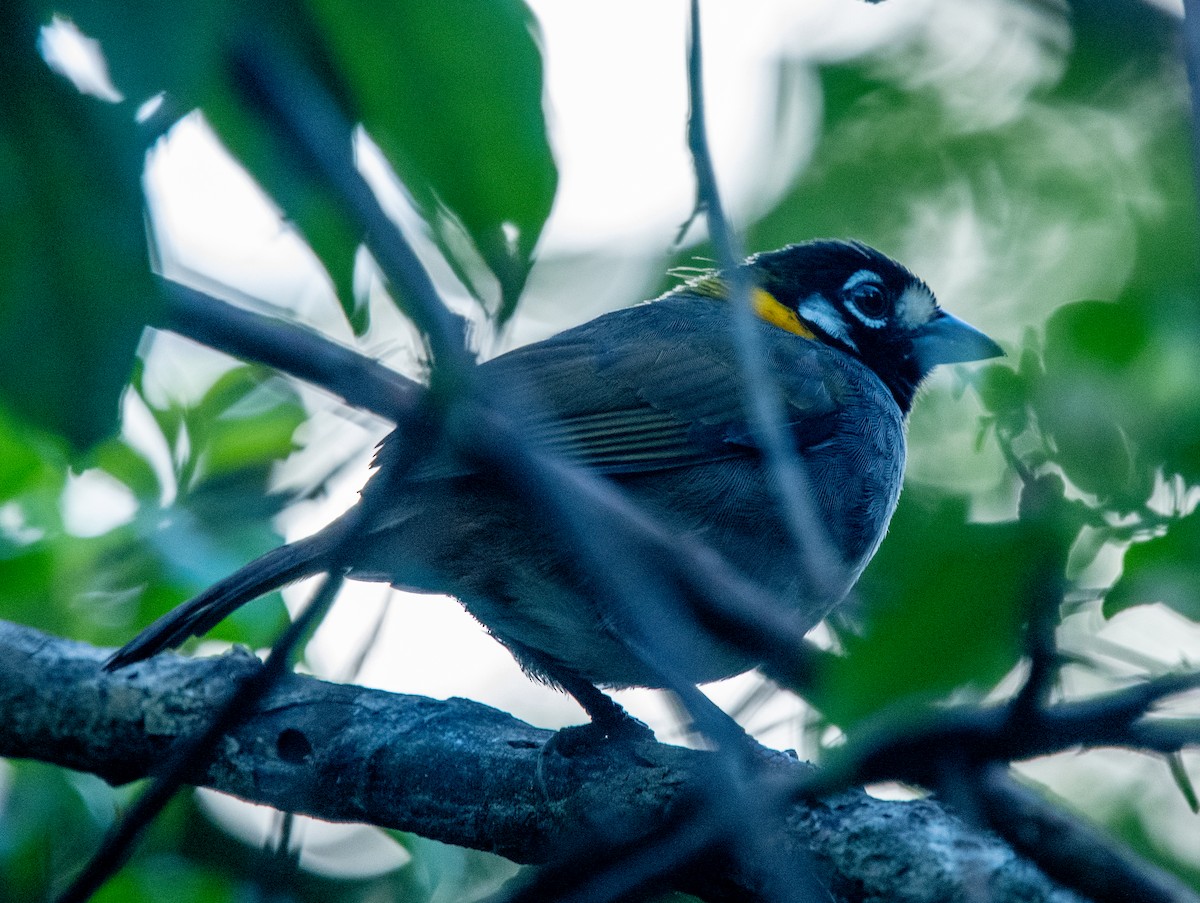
[[578, 741], [619, 727]]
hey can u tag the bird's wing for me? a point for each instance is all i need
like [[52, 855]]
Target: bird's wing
[[659, 386]]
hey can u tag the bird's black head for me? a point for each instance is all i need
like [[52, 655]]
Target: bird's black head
[[868, 305]]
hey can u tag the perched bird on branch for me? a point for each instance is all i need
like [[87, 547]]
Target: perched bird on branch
[[653, 398]]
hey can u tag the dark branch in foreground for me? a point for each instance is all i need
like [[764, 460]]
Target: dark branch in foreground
[[458, 771], [1070, 850]]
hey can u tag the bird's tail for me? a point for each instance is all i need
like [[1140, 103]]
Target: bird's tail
[[201, 613]]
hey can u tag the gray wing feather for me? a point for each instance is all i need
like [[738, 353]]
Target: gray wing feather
[[652, 387]]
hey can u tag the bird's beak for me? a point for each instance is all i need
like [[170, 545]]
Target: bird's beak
[[948, 340]]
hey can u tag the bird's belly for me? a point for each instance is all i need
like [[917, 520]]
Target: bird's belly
[[515, 571], [550, 628]]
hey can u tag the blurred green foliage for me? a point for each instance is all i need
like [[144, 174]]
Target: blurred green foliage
[[180, 538], [437, 100], [74, 273], [1069, 203]]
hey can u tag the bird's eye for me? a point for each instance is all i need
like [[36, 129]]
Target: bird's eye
[[868, 300]]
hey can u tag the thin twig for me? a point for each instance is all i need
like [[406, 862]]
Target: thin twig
[[909, 748], [1043, 508], [821, 567], [1070, 850], [296, 350]]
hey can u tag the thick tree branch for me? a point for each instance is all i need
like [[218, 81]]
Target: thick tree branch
[[457, 771]]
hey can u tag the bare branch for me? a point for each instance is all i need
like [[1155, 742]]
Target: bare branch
[[298, 351], [1070, 849], [458, 771], [914, 747]]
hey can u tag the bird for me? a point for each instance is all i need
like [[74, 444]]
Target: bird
[[652, 398]]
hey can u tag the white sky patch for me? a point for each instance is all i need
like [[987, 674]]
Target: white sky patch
[[78, 58], [95, 502], [617, 105]]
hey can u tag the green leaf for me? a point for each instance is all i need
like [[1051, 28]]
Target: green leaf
[[246, 421], [944, 600], [452, 92], [1095, 334], [1093, 451], [27, 459], [1094, 397], [453, 95], [1005, 393], [118, 458], [1162, 569], [1183, 780], [184, 50], [75, 285], [1001, 389], [27, 585], [47, 827]]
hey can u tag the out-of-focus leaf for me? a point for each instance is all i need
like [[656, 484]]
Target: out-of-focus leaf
[[244, 422], [27, 458], [119, 459], [222, 519], [75, 286], [1162, 569], [1093, 451], [1000, 389], [173, 879], [1095, 334], [1004, 394], [1183, 780], [453, 94], [185, 50], [47, 828], [1137, 822], [27, 583], [1092, 397], [944, 602]]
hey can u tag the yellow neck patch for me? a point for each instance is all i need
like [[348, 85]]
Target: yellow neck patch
[[775, 312], [766, 305]]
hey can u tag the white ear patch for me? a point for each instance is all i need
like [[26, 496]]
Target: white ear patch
[[916, 306], [816, 310]]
